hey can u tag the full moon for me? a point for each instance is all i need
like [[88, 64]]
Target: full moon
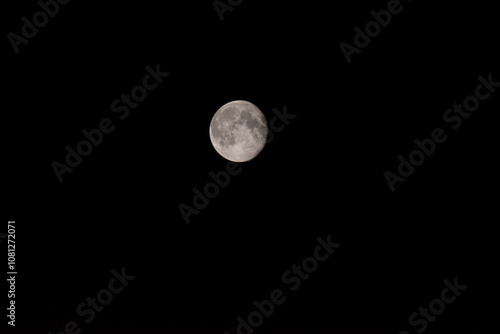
[[238, 131]]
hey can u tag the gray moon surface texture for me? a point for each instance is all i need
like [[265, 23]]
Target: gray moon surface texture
[[238, 131]]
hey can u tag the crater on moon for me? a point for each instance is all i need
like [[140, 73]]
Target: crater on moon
[[238, 131]]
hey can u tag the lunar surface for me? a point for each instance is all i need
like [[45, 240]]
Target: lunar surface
[[238, 131]]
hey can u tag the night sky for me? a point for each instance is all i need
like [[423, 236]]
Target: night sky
[[371, 209]]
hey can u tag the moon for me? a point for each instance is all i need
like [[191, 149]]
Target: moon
[[238, 131]]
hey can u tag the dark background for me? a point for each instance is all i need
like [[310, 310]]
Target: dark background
[[322, 175]]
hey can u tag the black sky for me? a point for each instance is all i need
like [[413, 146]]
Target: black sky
[[322, 174]]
